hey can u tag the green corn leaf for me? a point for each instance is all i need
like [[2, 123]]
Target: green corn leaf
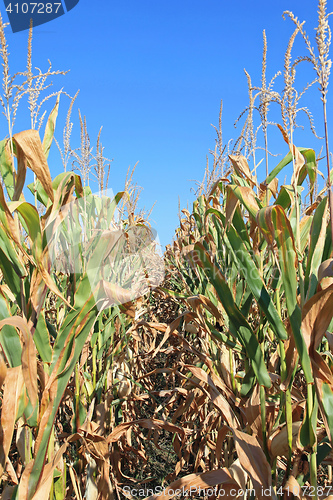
[[42, 339], [249, 269], [309, 167], [30, 221], [9, 338], [11, 275], [307, 433], [244, 332], [253, 279], [316, 247], [248, 382], [240, 226], [6, 167], [50, 127], [305, 226], [275, 226], [247, 197], [7, 247], [328, 244], [37, 188], [71, 339], [221, 337], [285, 197]]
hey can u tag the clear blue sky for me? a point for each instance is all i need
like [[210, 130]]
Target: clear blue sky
[[153, 73]]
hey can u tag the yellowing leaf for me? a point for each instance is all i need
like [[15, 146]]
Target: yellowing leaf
[[240, 164], [10, 400], [253, 460], [31, 146], [29, 355]]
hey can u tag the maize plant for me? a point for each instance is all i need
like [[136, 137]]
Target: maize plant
[[69, 279], [255, 273]]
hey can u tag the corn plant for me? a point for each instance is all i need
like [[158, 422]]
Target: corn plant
[[264, 299], [83, 273]]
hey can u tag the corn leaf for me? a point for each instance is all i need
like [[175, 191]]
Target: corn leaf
[[250, 271], [50, 127], [7, 167], [316, 247], [244, 332], [275, 226]]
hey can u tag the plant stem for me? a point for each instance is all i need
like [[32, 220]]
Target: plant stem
[[329, 184], [94, 365], [266, 160], [298, 217], [77, 396], [287, 402], [313, 453], [263, 420], [232, 375]]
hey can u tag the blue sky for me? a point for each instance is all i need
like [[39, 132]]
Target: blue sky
[[153, 73]]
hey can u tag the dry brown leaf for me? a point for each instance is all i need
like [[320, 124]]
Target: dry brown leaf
[[254, 462], [7, 293], [278, 440], [40, 282], [44, 485], [214, 188], [29, 355], [149, 423], [12, 392], [249, 197], [167, 332], [216, 397], [240, 164], [298, 164], [253, 412], [267, 190], [221, 435], [105, 488], [316, 317], [293, 489], [187, 250], [30, 144], [204, 481], [24, 481], [7, 493], [51, 285], [239, 474], [11, 472], [322, 374], [325, 274], [75, 482], [231, 205], [210, 306], [116, 294], [12, 229], [21, 173]]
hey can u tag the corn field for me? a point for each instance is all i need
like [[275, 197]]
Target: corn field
[[207, 371]]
